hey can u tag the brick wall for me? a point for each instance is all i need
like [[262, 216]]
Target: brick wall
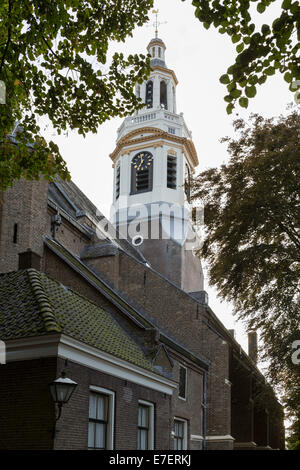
[[182, 318], [173, 310], [26, 407], [73, 425], [23, 217]]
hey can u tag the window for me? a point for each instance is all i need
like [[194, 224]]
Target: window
[[174, 102], [180, 434], [141, 172], [171, 172], [182, 382], [15, 236], [171, 130], [149, 94], [145, 439], [101, 415], [118, 175], [187, 182], [159, 52], [163, 95]]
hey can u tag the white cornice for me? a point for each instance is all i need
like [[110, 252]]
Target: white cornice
[[63, 346], [220, 438], [195, 437]]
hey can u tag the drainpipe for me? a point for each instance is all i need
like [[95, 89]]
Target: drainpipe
[[204, 411]]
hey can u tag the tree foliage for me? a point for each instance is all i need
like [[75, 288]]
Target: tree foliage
[[252, 242], [260, 53], [52, 62]]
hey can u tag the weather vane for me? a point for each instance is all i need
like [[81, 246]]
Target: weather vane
[[157, 23]]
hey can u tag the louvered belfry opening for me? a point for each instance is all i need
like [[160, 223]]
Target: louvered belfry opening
[[163, 95], [118, 176], [141, 180], [171, 172], [149, 94]]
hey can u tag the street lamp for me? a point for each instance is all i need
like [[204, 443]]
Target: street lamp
[[61, 390]]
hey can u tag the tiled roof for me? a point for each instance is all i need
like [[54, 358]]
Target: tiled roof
[[117, 298], [32, 304], [80, 267]]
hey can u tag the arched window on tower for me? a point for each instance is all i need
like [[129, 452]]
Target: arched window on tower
[[159, 52], [138, 91], [141, 172], [149, 94], [163, 95]]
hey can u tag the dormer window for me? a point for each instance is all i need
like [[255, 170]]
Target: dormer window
[[149, 94], [163, 95]]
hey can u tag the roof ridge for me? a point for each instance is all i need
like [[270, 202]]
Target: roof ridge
[[44, 304]]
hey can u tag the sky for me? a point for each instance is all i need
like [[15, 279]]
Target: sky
[[198, 57]]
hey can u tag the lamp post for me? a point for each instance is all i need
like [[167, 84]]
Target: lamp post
[[61, 390]]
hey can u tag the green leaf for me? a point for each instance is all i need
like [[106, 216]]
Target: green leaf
[[235, 38], [250, 91], [265, 29], [262, 79], [261, 7], [224, 79], [229, 108], [270, 71], [244, 102], [286, 4], [228, 98], [236, 93], [239, 48], [288, 77], [231, 86]]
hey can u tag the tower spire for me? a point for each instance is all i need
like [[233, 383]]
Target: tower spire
[[157, 23]]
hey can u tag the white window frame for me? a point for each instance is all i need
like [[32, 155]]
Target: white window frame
[[185, 431], [111, 413], [186, 374], [150, 406]]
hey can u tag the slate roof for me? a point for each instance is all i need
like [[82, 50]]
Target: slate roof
[[32, 304], [67, 196]]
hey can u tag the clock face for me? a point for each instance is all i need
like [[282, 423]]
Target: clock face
[[142, 161]]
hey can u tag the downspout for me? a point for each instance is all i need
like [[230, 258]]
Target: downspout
[[204, 410]]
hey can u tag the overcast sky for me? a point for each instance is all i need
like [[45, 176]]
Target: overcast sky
[[198, 57]]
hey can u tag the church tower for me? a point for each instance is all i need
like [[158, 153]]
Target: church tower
[[153, 162]]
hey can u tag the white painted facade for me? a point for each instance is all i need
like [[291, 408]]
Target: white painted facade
[[147, 120]]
